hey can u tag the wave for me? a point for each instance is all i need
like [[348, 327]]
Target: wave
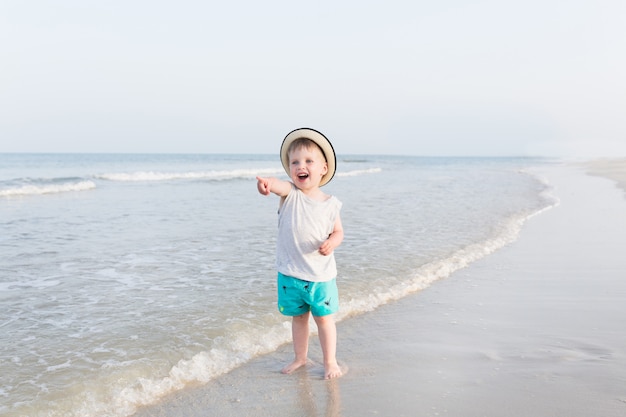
[[43, 188], [192, 175], [26, 187], [358, 172], [433, 271], [145, 176], [120, 394]]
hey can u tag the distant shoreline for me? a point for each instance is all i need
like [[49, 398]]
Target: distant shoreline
[[614, 169]]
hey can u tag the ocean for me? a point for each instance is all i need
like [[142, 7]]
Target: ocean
[[124, 278]]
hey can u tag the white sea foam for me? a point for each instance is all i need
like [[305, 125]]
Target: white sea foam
[[358, 172], [123, 394], [203, 367], [191, 175], [212, 175], [31, 189]]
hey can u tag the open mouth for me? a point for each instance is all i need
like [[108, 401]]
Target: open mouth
[[303, 176]]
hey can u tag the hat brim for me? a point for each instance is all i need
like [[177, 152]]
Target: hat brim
[[321, 141]]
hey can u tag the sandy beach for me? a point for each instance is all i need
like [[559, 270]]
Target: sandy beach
[[536, 329], [614, 169]]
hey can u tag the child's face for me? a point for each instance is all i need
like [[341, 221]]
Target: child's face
[[307, 166]]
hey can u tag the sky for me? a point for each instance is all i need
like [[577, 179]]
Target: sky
[[414, 77]]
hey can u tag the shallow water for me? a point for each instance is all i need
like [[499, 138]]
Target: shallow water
[[126, 277]]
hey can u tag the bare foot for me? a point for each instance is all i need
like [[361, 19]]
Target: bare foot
[[332, 371], [296, 364]]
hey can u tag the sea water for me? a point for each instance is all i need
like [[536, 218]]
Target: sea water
[[127, 277]]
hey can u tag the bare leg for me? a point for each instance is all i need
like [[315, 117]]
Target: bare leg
[[300, 334], [328, 339]]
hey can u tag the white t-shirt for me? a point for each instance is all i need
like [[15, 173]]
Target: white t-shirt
[[303, 225]]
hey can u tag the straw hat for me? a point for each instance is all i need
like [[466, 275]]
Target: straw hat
[[320, 140]]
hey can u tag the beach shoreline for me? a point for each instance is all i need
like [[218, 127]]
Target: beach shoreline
[[533, 329]]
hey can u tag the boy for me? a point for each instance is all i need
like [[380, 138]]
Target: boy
[[309, 230]]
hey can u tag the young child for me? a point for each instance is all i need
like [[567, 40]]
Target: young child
[[309, 230]]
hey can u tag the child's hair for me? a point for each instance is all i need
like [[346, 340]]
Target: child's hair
[[305, 143]]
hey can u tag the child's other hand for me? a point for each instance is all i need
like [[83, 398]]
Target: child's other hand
[[327, 248], [264, 185], [334, 240]]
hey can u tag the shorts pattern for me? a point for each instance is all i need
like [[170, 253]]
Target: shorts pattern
[[296, 297]]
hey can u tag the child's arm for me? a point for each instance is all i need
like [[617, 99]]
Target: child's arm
[[273, 185], [334, 240]]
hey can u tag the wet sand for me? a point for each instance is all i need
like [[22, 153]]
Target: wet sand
[[536, 329]]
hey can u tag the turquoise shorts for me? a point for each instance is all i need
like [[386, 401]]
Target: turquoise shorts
[[296, 297]]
